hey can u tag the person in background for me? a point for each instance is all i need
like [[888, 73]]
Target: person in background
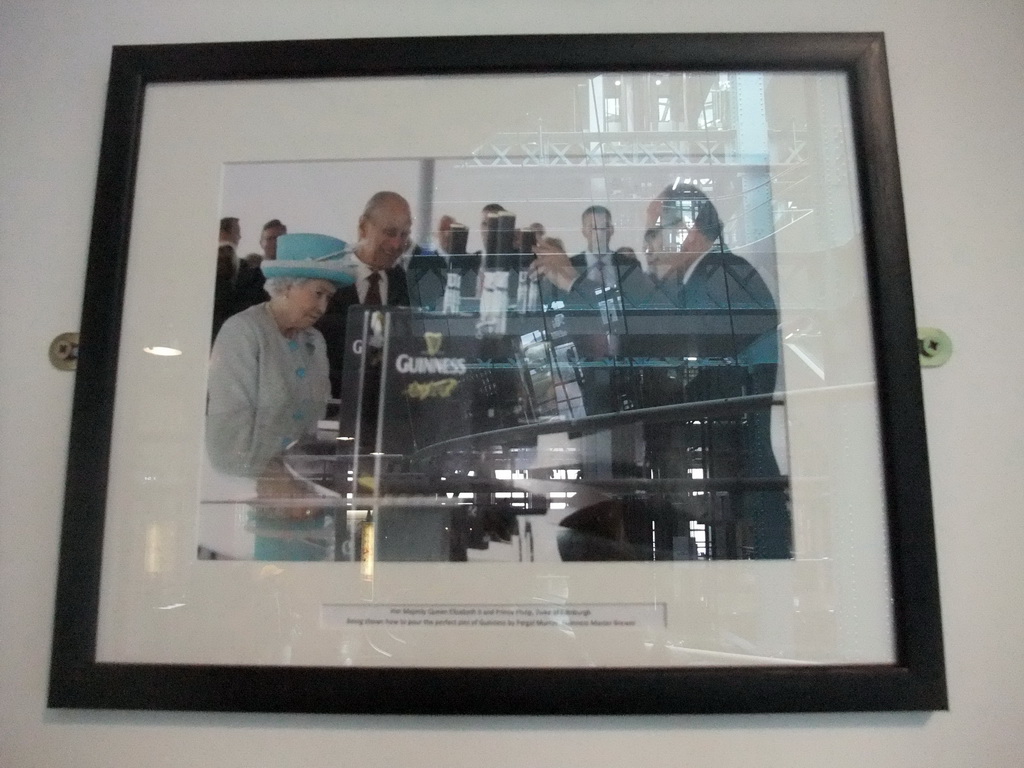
[[229, 235], [272, 230], [586, 278], [597, 229], [249, 280], [230, 232], [607, 267]]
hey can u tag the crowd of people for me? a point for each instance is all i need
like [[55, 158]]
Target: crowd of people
[[279, 324]]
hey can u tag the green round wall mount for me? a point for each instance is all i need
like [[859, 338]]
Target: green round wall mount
[[934, 347]]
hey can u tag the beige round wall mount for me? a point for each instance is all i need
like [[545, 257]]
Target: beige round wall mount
[[64, 352]]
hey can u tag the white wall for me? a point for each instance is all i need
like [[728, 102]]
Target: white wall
[[956, 71]]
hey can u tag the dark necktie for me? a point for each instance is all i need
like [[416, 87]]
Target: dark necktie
[[603, 272], [373, 291]]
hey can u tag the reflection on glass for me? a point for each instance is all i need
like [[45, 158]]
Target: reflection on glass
[[608, 362]]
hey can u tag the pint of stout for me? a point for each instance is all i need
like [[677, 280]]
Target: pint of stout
[[499, 238], [459, 239]]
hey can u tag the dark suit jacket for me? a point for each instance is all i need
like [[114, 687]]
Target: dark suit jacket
[[333, 324], [427, 275], [723, 282], [249, 286], [236, 290], [635, 286]]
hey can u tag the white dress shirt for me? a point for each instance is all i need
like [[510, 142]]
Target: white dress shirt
[[601, 269], [363, 283]]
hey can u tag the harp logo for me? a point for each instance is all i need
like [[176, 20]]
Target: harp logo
[[433, 340]]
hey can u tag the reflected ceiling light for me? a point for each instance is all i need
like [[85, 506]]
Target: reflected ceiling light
[[160, 351]]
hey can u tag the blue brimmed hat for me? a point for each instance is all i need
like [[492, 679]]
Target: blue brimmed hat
[[317, 257]]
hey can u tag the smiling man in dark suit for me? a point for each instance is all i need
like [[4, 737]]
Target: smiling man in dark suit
[[384, 229], [401, 534]]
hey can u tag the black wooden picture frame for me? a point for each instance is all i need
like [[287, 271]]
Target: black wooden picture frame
[[916, 681]]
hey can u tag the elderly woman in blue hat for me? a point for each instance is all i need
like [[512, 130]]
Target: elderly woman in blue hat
[[268, 382]]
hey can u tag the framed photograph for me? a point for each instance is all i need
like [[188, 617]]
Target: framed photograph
[[555, 374]]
